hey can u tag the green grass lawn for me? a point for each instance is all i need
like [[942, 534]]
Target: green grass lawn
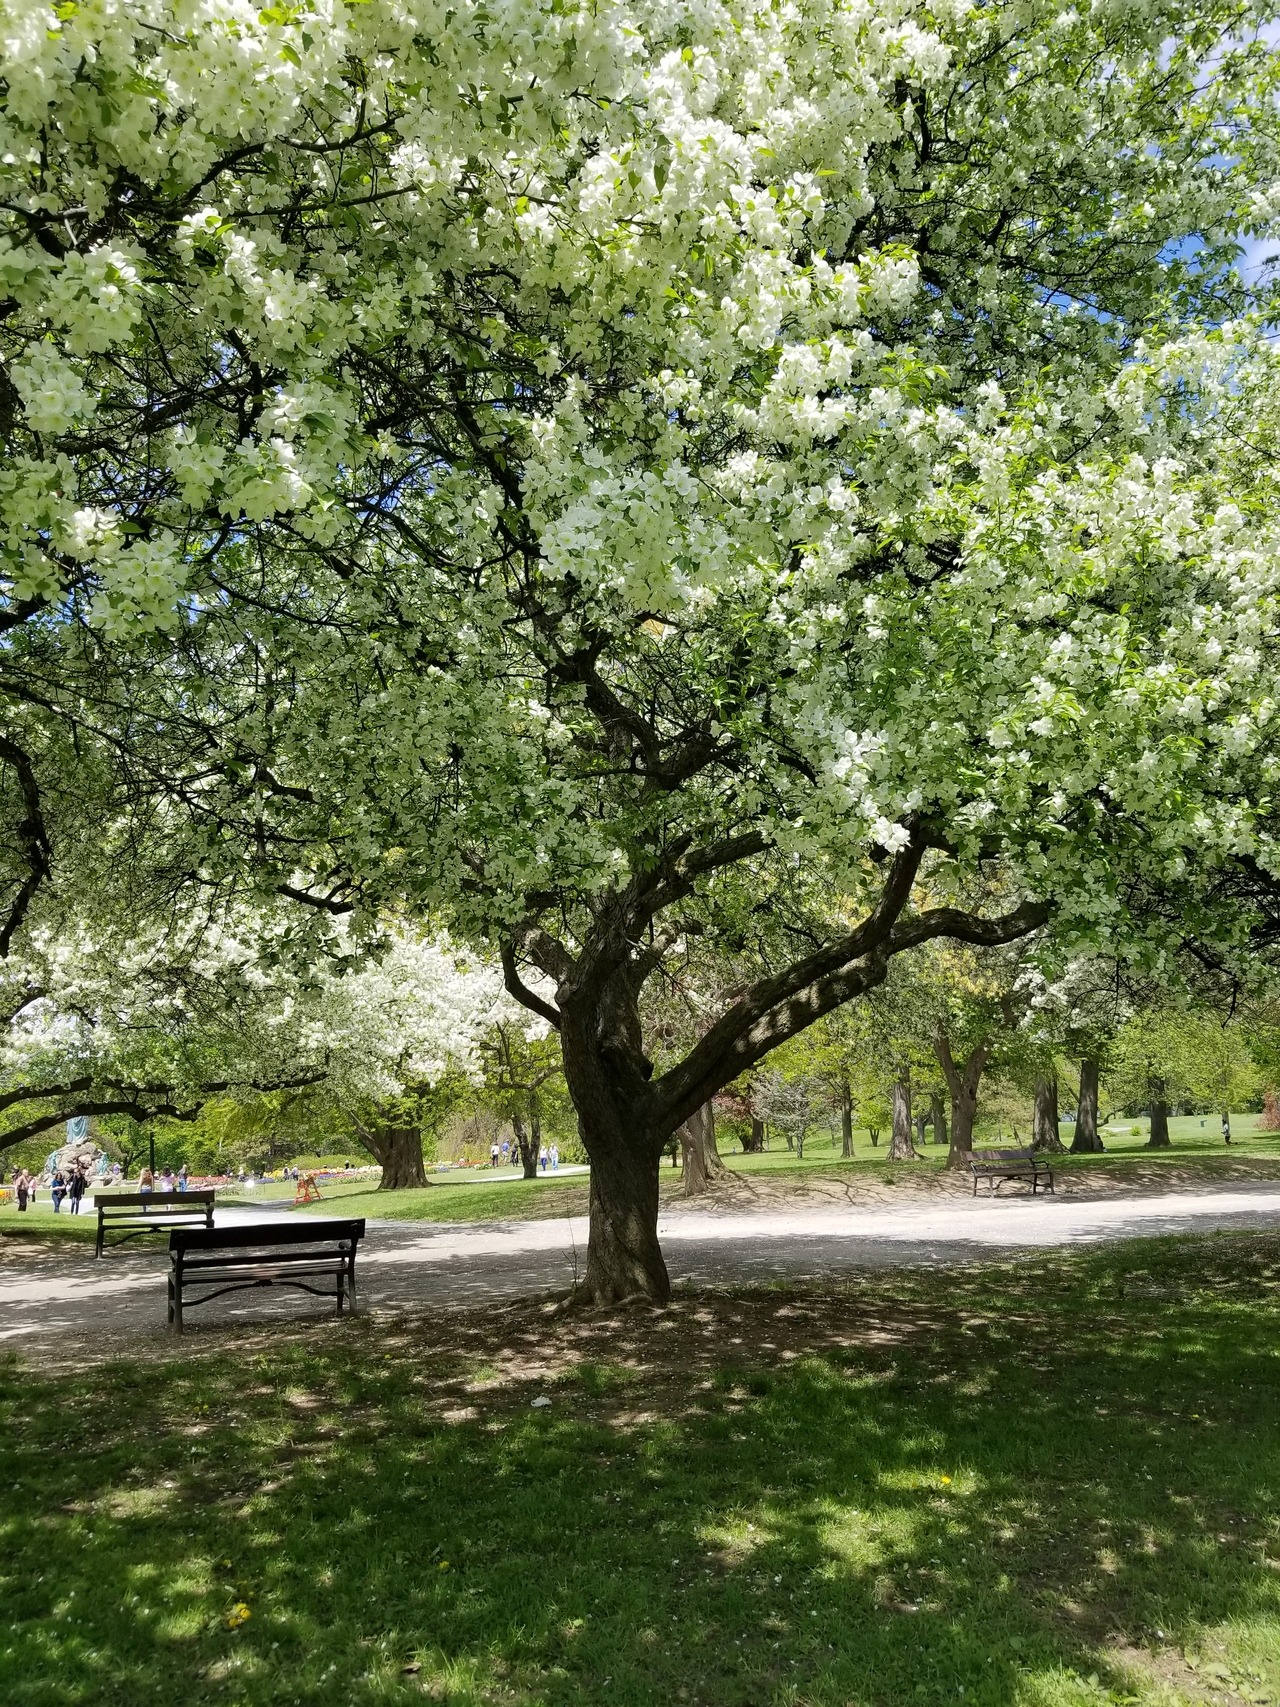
[[1053, 1485], [1192, 1136], [1198, 1153]]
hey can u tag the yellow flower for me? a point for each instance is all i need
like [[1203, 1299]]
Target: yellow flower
[[443, 1565], [946, 1480], [238, 1615]]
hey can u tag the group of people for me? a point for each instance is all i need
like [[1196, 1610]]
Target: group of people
[[67, 1186], [169, 1181], [501, 1155]]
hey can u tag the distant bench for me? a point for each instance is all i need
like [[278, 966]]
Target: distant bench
[[237, 1259], [997, 1166], [150, 1212]]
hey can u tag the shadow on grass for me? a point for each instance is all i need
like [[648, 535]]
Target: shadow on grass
[[1045, 1483]]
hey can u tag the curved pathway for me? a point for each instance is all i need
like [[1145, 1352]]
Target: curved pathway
[[64, 1298]]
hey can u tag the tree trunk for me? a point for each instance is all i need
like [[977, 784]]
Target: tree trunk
[[873, 1132], [1159, 1139], [963, 1084], [702, 1164], [1086, 1141], [1044, 1120], [937, 1113], [846, 1122], [624, 1258], [399, 1150], [753, 1145], [921, 1119], [526, 1147], [901, 1149]]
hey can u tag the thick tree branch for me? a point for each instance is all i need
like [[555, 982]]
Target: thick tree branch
[[755, 1024], [517, 987], [322, 903], [136, 1111], [734, 1036], [32, 839], [140, 1102]]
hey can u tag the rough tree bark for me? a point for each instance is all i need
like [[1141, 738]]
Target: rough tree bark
[[1159, 1138], [921, 1120], [753, 1143], [399, 1151], [1087, 1141], [1044, 1118], [963, 1084], [901, 1149], [938, 1115], [846, 1120], [702, 1165]]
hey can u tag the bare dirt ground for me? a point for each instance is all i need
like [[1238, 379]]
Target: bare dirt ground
[[58, 1305]]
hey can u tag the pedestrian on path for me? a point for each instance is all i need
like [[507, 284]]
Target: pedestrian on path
[[146, 1183], [22, 1185], [75, 1189], [58, 1189]]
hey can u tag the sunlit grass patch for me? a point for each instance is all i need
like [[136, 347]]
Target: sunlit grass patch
[[1047, 1483]]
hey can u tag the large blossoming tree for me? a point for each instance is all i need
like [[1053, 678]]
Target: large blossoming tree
[[594, 464]]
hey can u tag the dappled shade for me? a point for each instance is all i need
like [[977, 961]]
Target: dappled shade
[[1014, 1480]]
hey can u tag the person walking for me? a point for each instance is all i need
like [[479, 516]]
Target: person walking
[[494, 1153], [75, 1189], [146, 1182], [22, 1185], [58, 1190], [555, 1157], [543, 1158], [182, 1176]]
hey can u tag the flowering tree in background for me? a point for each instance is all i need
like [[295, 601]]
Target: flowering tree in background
[[593, 464], [156, 1024]]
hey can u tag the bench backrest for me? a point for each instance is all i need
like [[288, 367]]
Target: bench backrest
[[1003, 1155], [152, 1199], [312, 1232]]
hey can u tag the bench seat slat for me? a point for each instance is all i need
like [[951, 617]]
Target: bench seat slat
[[197, 1270]]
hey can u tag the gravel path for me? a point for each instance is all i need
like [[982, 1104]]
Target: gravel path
[[61, 1299]]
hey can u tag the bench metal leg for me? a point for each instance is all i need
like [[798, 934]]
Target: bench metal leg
[[175, 1295]]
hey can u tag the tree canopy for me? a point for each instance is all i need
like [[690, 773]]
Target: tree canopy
[[560, 470]]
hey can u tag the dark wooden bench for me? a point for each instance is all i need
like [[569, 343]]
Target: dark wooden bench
[[149, 1212], [997, 1166], [278, 1253]]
